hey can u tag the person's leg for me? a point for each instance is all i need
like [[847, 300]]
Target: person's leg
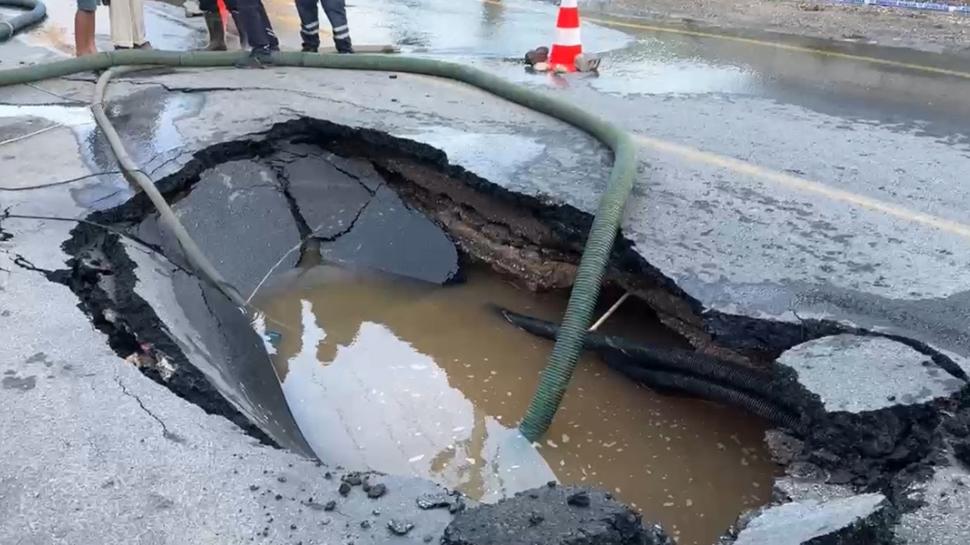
[[274, 43], [84, 28], [139, 37], [240, 28], [336, 11], [121, 27], [214, 25], [309, 24], [251, 14]]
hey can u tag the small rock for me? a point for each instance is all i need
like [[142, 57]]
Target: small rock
[[587, 63], [328, 475], [376, 491], [399, 527], [344, 489], [365, 524], [376, 512], [353, 479], [281, 479], [535, 518], [292, 526], [457, 507], [278, 497], [330, 505], [253, 488], [783, 447], [551, 484], [579, 499], [537, 55], [433, 501], [428, 539]]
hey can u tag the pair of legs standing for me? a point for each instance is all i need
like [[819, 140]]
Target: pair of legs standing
[[336, 11], [261, 37], [217, 27], [128, 24]]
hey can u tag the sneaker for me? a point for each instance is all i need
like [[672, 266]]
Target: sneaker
[[258, 58]]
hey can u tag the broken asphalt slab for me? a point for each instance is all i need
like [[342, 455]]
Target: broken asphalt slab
[[853, 373], [553, 515], [857, 520]]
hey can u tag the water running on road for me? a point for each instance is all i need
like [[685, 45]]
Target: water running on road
[[419, 379]]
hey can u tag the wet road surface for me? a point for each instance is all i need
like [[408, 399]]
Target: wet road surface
[[775, 183]]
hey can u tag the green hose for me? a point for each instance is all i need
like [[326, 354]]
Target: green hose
[[555, 377], [36, 12]]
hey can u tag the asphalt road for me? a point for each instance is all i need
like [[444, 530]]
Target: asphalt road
[[779, 180]]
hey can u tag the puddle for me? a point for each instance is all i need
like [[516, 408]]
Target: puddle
[[655, 67], [68, 116], [414, 378]]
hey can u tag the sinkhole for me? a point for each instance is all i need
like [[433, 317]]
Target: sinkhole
[[378, 269]]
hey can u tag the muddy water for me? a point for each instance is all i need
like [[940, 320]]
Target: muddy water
[[410, 378]]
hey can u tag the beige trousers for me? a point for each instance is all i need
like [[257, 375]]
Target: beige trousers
[[127, 23]]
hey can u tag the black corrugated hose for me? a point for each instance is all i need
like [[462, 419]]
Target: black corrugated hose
[[683, 371]]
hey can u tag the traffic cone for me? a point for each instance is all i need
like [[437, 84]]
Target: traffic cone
[[568, 43]]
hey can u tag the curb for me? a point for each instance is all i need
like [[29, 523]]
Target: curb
[[907, 4]]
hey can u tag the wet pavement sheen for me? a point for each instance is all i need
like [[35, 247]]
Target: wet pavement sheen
[[733, 241]]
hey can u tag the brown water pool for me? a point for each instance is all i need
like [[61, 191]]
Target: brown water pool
[[409, 378]]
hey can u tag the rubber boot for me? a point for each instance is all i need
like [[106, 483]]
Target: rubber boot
[[343, 45], [217, 32], [240, 29]]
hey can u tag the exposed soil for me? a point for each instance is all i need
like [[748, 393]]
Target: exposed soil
[[925, 31]]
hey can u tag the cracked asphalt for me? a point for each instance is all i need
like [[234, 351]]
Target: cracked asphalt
[[774, 185]]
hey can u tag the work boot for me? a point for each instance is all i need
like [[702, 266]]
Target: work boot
[[309, 49], [217, 31], [240, 29], [343, 45], [257, 58]]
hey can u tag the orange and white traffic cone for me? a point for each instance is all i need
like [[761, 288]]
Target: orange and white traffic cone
[[568, 42]]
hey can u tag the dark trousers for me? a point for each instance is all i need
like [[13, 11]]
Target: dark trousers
[[258, 29], [336, 11]]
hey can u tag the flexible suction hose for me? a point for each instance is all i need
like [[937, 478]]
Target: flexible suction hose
[[36, 12], [556, 376]]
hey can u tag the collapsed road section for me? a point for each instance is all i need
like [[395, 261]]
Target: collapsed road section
[[880, 463], [856, 449]]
